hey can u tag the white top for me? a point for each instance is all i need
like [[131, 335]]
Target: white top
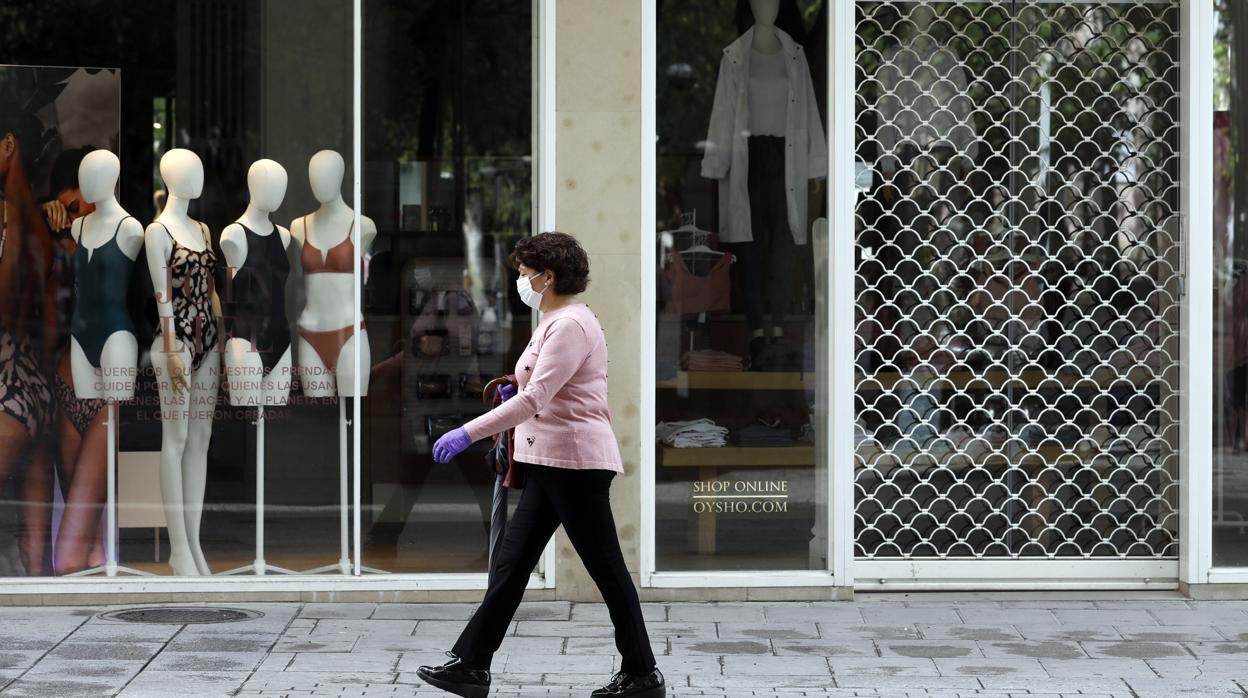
[[769, 93]]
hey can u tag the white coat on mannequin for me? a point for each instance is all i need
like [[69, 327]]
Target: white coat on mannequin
[[187, 396], [245, 376], [330, 295], [97, 179]]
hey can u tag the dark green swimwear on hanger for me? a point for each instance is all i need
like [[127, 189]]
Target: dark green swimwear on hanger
[[101, 277]]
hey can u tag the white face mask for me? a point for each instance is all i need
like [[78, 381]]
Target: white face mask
[[531, 298]]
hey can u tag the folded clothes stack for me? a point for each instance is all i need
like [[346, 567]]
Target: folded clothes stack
[[711, 360], [695, 433], [758, 435]]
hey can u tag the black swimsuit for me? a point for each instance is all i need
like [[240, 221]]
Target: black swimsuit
[[190, 292], [101, 277], [256, 302]]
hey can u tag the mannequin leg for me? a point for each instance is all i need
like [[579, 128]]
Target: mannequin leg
[[345, 375], [174, 425], [195, 458]]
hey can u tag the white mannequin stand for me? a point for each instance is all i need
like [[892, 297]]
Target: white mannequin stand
[[330, 306], [266, 181], [186, 394], [114, 379]]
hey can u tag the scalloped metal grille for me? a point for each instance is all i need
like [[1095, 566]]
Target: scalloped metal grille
[[1018, 280]]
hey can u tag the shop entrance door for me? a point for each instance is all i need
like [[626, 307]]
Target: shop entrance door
[[1018, 260]]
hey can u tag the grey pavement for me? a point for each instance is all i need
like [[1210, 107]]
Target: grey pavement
[[1039, 646]]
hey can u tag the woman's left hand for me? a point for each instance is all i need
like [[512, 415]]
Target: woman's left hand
[[450, 445]]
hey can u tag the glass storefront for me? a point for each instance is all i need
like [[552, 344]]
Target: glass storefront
[[741, 163], [1230, 289], [199, 154]]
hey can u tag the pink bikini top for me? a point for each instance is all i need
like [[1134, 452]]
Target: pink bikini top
[[339, 259]]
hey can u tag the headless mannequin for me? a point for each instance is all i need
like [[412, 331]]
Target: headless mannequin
[[245, 375], [97, 179], [330, 305], [186, 394]]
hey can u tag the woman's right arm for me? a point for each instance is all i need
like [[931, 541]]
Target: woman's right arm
[[562, 353]]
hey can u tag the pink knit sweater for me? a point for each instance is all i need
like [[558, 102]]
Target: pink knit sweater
[[560, 412]]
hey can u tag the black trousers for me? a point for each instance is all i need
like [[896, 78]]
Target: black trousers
[[580, 500], [768, 261]]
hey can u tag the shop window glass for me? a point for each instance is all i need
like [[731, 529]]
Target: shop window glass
[[741, 459], [1230, 288], [177, 103]]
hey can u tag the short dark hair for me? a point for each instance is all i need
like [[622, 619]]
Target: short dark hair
[[557, 252]]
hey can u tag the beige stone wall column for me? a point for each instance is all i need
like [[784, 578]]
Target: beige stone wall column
[[597, 198]]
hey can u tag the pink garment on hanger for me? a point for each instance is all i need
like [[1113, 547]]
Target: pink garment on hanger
[[693, 293]]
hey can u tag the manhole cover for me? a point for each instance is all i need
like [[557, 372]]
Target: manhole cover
[[181, 616]]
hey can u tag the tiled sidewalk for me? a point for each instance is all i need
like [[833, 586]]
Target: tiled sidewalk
[[876, 646]]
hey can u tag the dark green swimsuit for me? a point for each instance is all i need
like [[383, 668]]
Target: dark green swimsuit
[[101, 277]]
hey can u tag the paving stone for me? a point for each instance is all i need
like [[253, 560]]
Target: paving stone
[[338, 610], [581, 645], [106, 650], [372, 662], [774, 631], [89, 669], [882, 666], [1169, 633], [1135, 650], [970, 632], [1010, 616], [729, 612], [736, 682], [322, 644], [1073, 633], [910, 616], [50, 686], [996, 666], [1059, 684], [1034, 649], [372, 627], [129, 632], [207, 661], [281, 681], [1106, 668], [1200, 668], [869, 632], [1198, 616], [557, 663], [711, 645], [737, 665], [221, 643], [1103, 616], [158, 684], [832, 612], [542, 610], [18, 659], [826, 648], [424, 611], [597, 612], [929, 648]]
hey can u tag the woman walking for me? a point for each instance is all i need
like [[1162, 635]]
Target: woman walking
[[569, 454]]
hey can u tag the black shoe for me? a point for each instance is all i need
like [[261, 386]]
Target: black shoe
[[457, 677], [634, 686]]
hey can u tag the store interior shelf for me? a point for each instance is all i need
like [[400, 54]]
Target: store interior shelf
[[739, 380], [998, 379], [782, 456]]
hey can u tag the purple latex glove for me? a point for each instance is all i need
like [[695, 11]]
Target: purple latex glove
[[450, 445], [507, 392]]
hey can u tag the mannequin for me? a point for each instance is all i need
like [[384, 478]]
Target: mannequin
[[257, 349], [326, 334], [185, 354], [764, 142], [109, 240]]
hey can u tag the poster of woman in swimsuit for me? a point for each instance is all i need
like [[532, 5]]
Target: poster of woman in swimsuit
[[53, 453]]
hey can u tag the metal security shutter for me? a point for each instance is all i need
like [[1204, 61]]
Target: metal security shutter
[[1018, 280]]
